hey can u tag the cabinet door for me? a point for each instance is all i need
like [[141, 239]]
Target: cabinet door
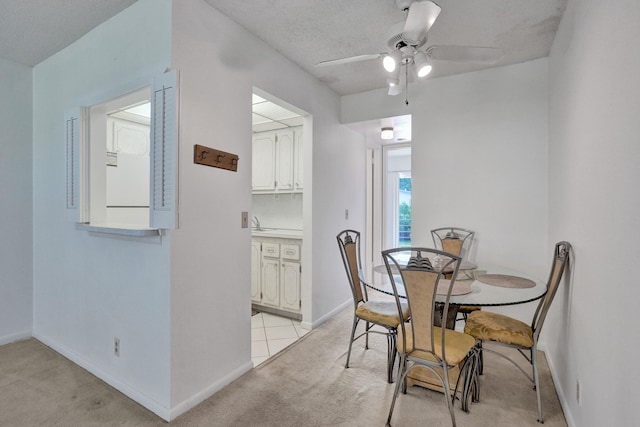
[[270, 282], [256, 261], [298, 162], [290, 286], [263, 162], [284, 160]]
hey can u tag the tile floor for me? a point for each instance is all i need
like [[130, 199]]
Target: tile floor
[[270, 334]]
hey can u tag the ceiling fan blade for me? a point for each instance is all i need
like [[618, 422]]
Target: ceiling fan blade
[[349, 59], [478, 54], [422, 14]]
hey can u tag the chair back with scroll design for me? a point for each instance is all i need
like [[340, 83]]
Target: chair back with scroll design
[[560, 260], [349, 243], [453, 240]]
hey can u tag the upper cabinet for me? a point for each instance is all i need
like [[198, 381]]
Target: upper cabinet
[[264, 161], [298, 163], [277, 161]]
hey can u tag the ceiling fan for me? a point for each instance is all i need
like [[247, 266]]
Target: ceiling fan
[[407, 41]]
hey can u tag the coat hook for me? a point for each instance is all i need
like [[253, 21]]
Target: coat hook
[[220, 156], [203, 154]]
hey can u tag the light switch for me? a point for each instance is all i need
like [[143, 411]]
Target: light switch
[[245, 219], [346, 214]]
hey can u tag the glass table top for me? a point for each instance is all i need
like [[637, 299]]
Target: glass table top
[[482, 294]]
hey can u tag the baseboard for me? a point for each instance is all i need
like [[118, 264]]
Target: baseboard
[[198, 398], [559, 390], [18, 336], [277, 311], [330, 314], [144, 400]]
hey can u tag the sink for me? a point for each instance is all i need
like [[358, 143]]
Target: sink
[[262, 229]]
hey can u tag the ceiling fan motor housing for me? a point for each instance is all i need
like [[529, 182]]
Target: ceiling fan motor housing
[[404, 5], [396, 40]]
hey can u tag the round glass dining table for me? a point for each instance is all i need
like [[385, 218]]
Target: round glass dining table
[[472, 291]]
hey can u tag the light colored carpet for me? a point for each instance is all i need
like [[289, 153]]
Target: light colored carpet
[[306, 385]]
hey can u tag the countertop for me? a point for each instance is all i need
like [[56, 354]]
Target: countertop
[[280, 233]]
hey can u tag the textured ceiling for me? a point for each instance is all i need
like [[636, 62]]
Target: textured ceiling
[[310, 31], [33, 30]]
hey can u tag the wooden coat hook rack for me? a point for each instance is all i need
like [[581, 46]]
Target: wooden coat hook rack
[[218, 159]]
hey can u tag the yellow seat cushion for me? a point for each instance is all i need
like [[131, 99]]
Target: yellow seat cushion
[[382, 312], [489, 326], [457, 345]]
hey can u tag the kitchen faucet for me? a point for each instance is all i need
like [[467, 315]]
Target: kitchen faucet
[[256, 223]]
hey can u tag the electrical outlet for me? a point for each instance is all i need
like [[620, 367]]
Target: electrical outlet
[[244, 220], [578, 393], [116, 347]]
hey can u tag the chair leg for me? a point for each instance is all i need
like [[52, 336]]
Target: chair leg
[[401, 379], [470, 383], [391, 354], [366, 338], [534, 362], [353, 334], [480, 358], [447, 394], [476, 378]]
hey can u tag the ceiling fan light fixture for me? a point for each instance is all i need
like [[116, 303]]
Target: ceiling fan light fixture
[[386, 133], [423, 66], [394, 78], [394, 90], [390, 61]]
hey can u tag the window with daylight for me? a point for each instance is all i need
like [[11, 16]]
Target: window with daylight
[[397, 196]]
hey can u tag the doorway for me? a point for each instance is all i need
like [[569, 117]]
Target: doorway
[[280, 291], [389, 185], [396, 196]]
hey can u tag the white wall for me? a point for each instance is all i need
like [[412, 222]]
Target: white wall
[[279, 210], [16, 250], [210, 261], [479, 160], [594, 202], [90, 288]]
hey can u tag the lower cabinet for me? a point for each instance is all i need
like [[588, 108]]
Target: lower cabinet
[[276, 273], [290, 285]]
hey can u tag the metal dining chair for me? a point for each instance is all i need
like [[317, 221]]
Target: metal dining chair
[[506, 331], [457, 241], [454, 240], [374, 312], [421, 343]]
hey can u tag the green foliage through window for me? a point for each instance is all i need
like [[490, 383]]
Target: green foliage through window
[[405, 184]]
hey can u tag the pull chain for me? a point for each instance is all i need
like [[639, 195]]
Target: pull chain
[[406, 85]]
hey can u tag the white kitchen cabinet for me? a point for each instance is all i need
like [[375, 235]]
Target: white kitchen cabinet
[[298, 162], [264, 167], [274, 165], [290, 285], [270, 281], [276, 278], [284, 160], [256, 270]]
